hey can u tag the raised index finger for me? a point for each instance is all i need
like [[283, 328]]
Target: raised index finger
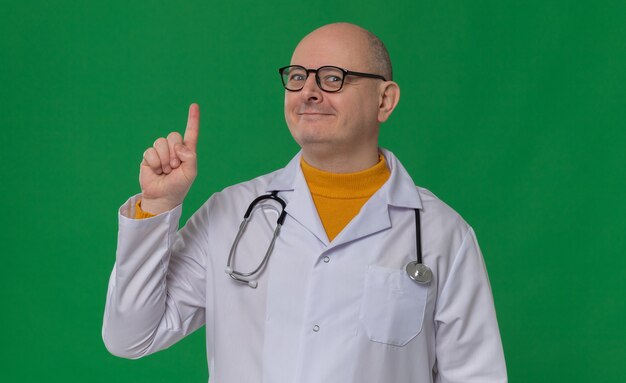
[[193, 127]]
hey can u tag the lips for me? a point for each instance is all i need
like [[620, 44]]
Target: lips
[[314, 113], [314, 116]]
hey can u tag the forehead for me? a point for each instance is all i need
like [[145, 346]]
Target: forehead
[[347, 49]]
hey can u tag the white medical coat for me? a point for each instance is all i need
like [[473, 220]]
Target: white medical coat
[[341, 311]]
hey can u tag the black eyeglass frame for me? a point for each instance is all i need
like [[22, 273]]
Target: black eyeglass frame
[[317, 78]]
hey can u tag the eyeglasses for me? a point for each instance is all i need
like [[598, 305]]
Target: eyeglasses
[[329, 78]]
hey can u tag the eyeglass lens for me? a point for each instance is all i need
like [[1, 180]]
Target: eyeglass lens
[[329, 78]]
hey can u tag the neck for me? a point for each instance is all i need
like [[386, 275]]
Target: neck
[[334, 161]]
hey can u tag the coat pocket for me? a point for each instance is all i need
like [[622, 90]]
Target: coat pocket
[[393, 306]]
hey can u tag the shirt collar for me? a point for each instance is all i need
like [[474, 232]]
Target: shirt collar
[[399, 190]]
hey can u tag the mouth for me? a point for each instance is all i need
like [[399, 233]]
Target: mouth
[[314, 114], [314, 117]]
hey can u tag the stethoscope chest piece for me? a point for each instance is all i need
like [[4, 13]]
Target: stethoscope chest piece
[[419, 272]]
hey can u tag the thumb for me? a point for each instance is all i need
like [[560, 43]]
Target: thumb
[[184, 153]]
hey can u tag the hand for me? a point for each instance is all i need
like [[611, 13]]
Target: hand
[[169, 167]]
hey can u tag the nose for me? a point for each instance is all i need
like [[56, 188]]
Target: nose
[[311, 92]]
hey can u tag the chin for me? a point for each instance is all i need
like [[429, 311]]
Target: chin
[[313, 134]]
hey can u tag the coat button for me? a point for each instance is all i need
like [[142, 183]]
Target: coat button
[[316, 328], [326, 259]]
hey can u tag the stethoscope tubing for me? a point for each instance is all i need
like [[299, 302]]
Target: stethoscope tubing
[[418, 236], [416, 270]]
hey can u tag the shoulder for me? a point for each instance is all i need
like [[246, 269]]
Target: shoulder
[[254, 186], [441, 219], [434, 205], [234, 196]]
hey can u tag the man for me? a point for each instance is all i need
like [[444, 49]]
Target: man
[[331, 301]]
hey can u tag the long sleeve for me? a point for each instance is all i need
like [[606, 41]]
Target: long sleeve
[[468, 344], [156, 291]]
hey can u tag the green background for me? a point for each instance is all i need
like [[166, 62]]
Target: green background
[[511, 111]]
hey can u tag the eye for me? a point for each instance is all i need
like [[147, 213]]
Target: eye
[[331, 79], [296, 77]]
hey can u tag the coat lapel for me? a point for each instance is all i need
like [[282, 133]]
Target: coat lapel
[[300, 205], [399, 191]]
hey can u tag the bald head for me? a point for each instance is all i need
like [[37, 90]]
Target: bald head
[[364, 47], [338, 130]]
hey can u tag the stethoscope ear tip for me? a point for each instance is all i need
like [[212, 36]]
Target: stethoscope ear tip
[[229, 271]]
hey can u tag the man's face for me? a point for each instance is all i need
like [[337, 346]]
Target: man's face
[[341, 121]]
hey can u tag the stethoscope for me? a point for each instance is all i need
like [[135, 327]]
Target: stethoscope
[[416, 270]]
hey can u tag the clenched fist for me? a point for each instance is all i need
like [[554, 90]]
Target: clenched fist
[[169, 167]]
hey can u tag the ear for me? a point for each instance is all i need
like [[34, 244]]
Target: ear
[[388, 99]]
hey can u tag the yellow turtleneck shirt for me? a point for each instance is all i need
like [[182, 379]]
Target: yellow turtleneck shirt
[[338, 197]]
